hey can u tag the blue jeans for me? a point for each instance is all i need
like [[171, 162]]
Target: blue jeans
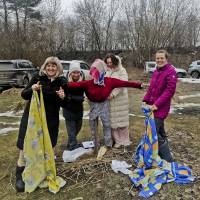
[[73, 128]]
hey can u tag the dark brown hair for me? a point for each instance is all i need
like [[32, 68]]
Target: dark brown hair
[[114, 59], [163, 51]]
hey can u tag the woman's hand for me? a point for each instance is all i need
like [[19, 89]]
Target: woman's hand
[[153, 107], [144, 105], [145, 85], [110, 97], [36, 86], [61, 93]]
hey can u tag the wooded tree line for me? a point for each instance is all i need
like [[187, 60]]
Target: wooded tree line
[[34, 29]]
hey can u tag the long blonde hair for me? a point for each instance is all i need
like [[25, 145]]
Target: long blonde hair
[[53, 60]]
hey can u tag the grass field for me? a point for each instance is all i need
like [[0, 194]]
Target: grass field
[[88, 179]]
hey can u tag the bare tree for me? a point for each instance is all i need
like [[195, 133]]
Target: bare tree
[[51, 14], [154, 24], [90, 14], [96, 17], [4, 7], [39, 28], [110, 12]]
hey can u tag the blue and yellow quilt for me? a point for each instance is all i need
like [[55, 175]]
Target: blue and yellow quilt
[[151, 170]]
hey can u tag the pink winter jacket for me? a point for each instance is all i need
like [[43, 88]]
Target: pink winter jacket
[[161, 90]]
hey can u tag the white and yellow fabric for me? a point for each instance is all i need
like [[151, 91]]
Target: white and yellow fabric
[[40, 167]]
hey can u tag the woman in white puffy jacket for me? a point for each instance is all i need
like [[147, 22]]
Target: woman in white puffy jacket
[[119, 105]]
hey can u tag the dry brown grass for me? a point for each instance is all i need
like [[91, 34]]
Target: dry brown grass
[[90, 179]]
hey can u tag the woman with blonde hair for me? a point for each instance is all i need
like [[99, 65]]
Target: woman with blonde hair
[[49, 80]]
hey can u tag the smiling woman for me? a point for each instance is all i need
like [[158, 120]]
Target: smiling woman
[[158, 98], [51, 69], [49, 81], [161, 58]]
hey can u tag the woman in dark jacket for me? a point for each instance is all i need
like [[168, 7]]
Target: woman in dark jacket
[[49, 80]]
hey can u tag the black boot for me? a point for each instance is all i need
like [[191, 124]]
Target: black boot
[[75, 146], [20, 186], [164, 152]]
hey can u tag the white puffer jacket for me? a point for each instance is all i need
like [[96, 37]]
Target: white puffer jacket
[[119, 105]]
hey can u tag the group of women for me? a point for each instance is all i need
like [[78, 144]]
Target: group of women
[[108, 99]]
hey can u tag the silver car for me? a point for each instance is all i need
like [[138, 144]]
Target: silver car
[[194, 69], [150, 66]]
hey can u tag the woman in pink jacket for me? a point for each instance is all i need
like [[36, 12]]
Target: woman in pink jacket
[[158, 97]]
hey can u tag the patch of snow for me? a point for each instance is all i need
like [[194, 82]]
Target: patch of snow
[[20, 112], [10, 114], [189, 96], [10, 123], [189, 80], [133, 115], [7, 130], [186, 105], [181, 106]]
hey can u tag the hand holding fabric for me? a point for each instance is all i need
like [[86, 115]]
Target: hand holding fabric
[[36, 87], [153, 107]]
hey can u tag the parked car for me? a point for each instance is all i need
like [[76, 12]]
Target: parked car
[[83, 65], [16, 72], [194, 69], [150, 66]]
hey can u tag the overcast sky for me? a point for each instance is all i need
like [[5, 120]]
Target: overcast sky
[[67, 5]]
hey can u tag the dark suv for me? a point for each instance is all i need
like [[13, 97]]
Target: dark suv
[[16, 72]]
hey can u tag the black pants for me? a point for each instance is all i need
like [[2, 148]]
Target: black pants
[[163, 147], [73, 128], [52, 124]]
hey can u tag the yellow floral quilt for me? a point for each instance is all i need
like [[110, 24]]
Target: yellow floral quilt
[[40, 169]]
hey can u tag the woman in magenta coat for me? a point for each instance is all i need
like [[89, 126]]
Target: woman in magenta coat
[[158, 97]]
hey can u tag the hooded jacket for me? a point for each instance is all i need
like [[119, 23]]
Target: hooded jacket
[[119, 105]]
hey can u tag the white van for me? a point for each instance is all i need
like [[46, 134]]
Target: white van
[[150, 66]]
